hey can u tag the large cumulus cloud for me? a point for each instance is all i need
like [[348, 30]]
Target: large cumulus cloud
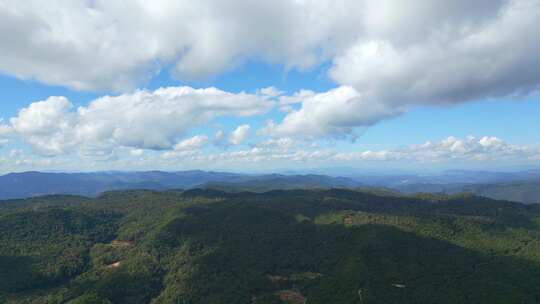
[[384, 56], [427, 53], [117, 44], [144, 119]]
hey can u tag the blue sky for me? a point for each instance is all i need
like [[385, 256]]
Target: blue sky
[[350, 90], [514, 120]]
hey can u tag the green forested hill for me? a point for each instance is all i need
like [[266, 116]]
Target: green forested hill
[[295, 246]]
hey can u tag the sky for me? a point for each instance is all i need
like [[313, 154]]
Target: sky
[[285, 85]]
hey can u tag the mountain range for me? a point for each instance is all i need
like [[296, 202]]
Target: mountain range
[[523, 186]]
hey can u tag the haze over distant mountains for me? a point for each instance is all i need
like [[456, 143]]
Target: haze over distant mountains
[[523, 186]]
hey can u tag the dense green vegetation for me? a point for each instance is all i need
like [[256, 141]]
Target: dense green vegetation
[[317, 246]]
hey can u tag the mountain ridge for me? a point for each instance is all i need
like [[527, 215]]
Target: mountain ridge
[[521, 186]]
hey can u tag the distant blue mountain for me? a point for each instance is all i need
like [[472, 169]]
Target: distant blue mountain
[[454, 177], [521, 186], [30, 184], [282, 182]]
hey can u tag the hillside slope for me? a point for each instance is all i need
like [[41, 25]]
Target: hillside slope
[[296, 246]]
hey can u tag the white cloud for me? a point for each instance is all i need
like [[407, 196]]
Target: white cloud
[[271, 92], [5, 130], [450, 58], [267, 155], [195, 142], [220, 139], [485, 149], [284, 143], [451, 149], [282, 153], [239, 134], [426, 52], [384, 57], [442, 50], [97, 44], [490, 142], [136, 152], [334, 113], [47, 125], [141, 120], [187, 148], [297, 97]]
